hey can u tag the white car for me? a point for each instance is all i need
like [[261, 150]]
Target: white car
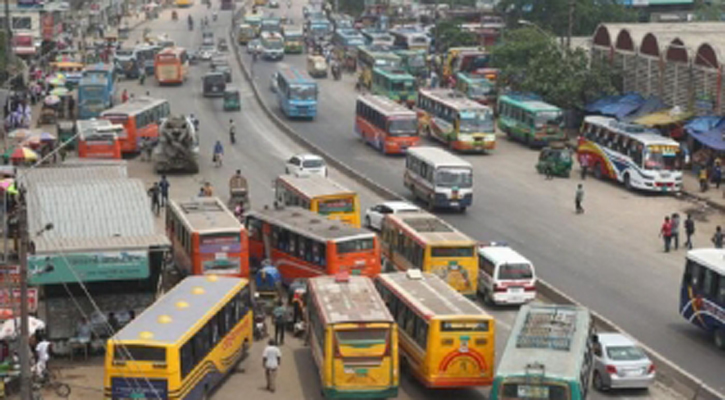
[[206, 53], [254, 45], [306, 164], [619, 363], [375, 215]]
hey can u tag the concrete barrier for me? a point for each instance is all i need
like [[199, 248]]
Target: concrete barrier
[[668, 373]]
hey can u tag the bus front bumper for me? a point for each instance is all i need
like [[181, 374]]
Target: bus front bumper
[[477, 145], [443, 201], [332, 393]]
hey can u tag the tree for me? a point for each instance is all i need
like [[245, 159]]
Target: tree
[[532, 62], [449, 34]]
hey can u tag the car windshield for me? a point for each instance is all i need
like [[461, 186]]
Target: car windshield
[[548, 118], [659, 159], [303, 92], [515, 271], [625, 353], [403, 127], [454, 177], [313, 163], [476, 121]]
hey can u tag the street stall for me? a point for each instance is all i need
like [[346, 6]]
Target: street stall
[[669, 123]]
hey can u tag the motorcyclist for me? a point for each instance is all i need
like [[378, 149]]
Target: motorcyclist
[[218, 153], [232, 131]]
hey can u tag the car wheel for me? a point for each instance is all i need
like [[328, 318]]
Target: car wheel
[[368, 223], [720, 339], [598, 382]]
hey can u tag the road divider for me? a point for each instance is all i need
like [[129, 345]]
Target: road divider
[[668, 374]]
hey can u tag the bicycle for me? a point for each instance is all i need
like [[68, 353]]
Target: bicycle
[[49, 380]]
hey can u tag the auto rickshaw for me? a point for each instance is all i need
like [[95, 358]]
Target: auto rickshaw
[[268, 282], [174, 15], [316, 66], [556, 158], [231, 99], [66, 130], [238, 192]]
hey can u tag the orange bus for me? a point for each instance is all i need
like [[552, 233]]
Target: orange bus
[[171, 66], [98, 138], [140, 117], [304, 244], [385, 124], [207, 238]]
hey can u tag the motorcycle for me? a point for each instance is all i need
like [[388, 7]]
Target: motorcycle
[[336, 72], [260, 327]]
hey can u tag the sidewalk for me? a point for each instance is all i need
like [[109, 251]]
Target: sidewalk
[[713, 197]]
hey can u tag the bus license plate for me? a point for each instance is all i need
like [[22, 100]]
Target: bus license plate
[[454, 203]]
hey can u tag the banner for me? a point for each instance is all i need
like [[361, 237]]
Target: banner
[[88, 267], [9, 306]]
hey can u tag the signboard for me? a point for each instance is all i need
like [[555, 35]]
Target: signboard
[[223, 243], [9, 274], [10, 304], [88, 267], [139, 388], [29, 3]]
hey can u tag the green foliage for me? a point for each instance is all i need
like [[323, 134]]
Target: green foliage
[[449, 34], [708, 10], [532, 62]]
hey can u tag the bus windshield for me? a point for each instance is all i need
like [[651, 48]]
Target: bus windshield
[[100, 74], [293, 36], [341, 205], [403, 127], [454, 177], [551, 391], [476, 121], [400, 86], [303, 92], [481, 89], [657, 160], [92, 91], [355, 42], [355, 245], [548, 118], [273, 44], [384, 62]]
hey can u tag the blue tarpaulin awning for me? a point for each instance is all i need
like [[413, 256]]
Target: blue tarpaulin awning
[[650, 106], [617, 106], [708, 131]]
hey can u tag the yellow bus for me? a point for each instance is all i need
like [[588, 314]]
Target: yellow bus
[[353, 338], [321, 195], [184, 3], [182, 345], [446, 340], [423, 241]]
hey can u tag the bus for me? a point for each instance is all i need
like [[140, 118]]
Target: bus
[[98, 138], [549, 355], [272, 46], [271, 25], [446, 340], [410, 39], [456, 121], [184, 3], [302, 244], [342, 22], [207, 238], [171, 66], [103, 71], [254, 20], [530, 120], [146, 56], [375, 56], [439, 178], [465, 59], [184, 344], [93, 97], [347, 38], [318, 29], [395, 83], [702, 295], [413, 61], [321, 195], [353, 338], [375, 37], [245, 33], [637, 156], [293, 41], [423, 241], [296, 93], [140, 117], [477, 87], [385, 124]]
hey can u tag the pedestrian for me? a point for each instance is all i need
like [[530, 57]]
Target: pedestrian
[[717, 238], [208, 190], [155, 194], [666, 233], [124, 96], [675, 220], [71, 107], [703, 178], [584, 164], [717, 174], [689, 230], [164, 186], [271, 360], [142, 78], [579, 198], [433, 79], [280, 315], [149, 148]]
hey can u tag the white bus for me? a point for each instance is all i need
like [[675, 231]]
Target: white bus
[[439, 178], [272, 46], [410, 38], [637, 156]]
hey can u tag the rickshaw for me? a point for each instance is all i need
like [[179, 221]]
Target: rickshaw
[[222, 45], [66, 130], [556, 158], [123, 32], [268, 283], [48, 115], [231, 99], [238, 192]]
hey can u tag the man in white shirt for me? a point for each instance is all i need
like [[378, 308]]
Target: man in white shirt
[[42, 352], [271, 360]]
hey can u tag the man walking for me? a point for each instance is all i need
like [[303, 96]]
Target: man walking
[[675, 221], [717, 238], [666, 233], [164, 186], [280, 316], [689, 230], [584, 163], [155, 194], [579, 198], [271, 360]]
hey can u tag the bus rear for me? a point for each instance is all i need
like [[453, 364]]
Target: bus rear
[[455, 263], [169, 68], [138, 370], [93, 98], [300, 101], [358, 255], [461, 352], [344, 207], [221, 253]]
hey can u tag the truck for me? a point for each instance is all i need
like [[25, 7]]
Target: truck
[[178, 147]]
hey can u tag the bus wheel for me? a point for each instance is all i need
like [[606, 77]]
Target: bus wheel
[[597, 171], [627, 183], [367, 223], [720, 338]]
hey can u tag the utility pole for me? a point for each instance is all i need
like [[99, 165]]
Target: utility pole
[[25, 391], [570, 28]]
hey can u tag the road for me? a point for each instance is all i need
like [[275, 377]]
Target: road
[[610, 259]]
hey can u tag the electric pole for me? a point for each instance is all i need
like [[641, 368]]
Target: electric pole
[[25, 392]]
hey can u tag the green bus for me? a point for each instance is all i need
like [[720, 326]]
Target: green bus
[[395, 83], [549, 355], [527, 118], [293, 40], [477, 87], [375, 56], [413, 61], [255, 21]]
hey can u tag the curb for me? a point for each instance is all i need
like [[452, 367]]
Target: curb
[[668, 373]]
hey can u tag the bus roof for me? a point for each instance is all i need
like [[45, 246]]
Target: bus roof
[[430, 229], [551, 335], [393, 73], [205, 214], [641, 133], [386, 106], [93, 80], [713, 259], [378, 52], [134, 106], [438, 157], [172, 316], [313, 186], [294, 75], [311, 224], [352, 299], [529, 102], [90, 125], [176, 51], [452, 98], [431, 295]]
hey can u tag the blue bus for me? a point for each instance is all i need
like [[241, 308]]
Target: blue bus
[[348, 38], [92, 97], [107, 72], [318, 28], [296, 93], [145, 54], [702, 295]]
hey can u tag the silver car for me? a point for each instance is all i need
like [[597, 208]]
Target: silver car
[[254, 45], [619, 363]]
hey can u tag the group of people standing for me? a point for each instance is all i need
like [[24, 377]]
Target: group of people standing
[[670, 232]]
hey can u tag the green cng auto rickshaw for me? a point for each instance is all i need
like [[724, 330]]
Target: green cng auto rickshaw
[[556, 158], [66, 130], [231, 99]]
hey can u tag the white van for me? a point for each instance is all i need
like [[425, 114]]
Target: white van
[[505, 276], [439, 178]]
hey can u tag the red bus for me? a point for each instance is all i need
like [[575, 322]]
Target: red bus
[[171, 66], [140, 118], [304, 244], [207, 238], [385, 124], [100, 141]]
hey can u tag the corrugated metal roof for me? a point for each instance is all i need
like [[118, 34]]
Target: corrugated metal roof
[[354, 300], [71, 174]]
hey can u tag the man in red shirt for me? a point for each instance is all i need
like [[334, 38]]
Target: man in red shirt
[[666, 233]]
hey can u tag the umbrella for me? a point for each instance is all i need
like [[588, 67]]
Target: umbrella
[[6, 183], [59, 91], [8, 328], [23, 154], [47, 137], [20, 133], [52, 100]]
